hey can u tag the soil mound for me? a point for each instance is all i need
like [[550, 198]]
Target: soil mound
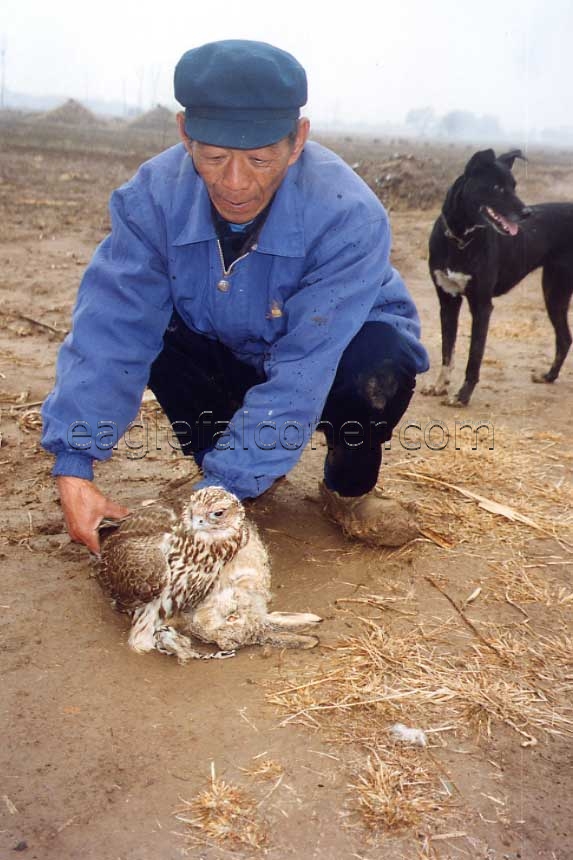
[[159, 118], [406, 181], [70, 113]]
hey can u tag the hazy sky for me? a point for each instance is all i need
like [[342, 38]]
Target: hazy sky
[[366, 61]]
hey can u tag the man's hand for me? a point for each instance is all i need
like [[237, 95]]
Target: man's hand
[[84, 508]]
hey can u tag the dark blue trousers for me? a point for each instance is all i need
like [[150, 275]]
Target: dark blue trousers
[[373, 386]]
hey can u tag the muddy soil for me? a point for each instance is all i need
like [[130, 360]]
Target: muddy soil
[[99, 744]]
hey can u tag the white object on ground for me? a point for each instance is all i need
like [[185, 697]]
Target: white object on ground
[[416, 737]]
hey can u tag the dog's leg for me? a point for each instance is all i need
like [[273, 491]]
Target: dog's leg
[[557, 290], [481, 313], [449, 316]]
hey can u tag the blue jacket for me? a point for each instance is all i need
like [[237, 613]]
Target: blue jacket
[[320, 270]]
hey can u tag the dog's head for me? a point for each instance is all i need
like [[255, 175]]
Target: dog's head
[[487, 191]]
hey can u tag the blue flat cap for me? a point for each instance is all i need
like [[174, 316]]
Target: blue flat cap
[[239, 94]]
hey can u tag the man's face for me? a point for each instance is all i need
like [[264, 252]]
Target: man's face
[[241, 182]]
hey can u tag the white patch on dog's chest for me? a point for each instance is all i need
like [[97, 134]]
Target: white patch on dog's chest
[[454, 283]]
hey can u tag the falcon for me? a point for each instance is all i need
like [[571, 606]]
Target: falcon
[[157, 564], [204, 571]]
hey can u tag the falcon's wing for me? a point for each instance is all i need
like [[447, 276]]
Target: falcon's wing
[[151, 520], [133, 568]]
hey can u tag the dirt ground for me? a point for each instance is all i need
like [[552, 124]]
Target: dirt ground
[[100, 745]]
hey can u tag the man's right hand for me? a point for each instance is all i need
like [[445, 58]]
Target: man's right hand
[[84, 507]]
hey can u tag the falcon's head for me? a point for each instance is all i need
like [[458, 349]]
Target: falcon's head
[[214, 514]]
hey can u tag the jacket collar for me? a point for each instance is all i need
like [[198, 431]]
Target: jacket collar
[[283, 231], [196, 218]]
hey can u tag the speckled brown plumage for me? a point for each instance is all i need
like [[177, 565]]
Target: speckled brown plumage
[[156, 563]]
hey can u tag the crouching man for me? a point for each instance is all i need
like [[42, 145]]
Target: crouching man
[[247, 281]]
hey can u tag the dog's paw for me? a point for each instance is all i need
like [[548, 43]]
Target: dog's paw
[[542, 376], [434, 390], [454, 400]]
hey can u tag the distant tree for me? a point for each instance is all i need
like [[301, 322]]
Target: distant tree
[[421, 119], [462, 124], [458, 123], [489, 127]]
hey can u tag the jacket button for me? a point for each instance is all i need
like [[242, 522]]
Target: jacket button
[[224, 286]]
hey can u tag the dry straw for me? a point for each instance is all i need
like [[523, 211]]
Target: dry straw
[[469, 493], [512, 678], [265, 769], [225, 816], [30, 421], [458, 676]]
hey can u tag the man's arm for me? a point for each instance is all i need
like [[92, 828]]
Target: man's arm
[[123, 307]]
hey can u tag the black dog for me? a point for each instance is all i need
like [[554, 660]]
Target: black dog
[[483, 244]]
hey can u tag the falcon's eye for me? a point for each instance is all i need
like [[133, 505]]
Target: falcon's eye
[[216, 514]]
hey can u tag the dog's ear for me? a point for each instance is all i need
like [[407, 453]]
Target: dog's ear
[[508, 158], [481, 160]]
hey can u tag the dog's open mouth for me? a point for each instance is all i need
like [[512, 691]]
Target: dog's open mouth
[[499, 223]]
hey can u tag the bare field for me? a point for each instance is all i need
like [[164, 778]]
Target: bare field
[[467, 633]]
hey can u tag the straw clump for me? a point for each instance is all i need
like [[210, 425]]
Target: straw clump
[[397, 792], [30, 421], [223, 815], [266, 770]]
